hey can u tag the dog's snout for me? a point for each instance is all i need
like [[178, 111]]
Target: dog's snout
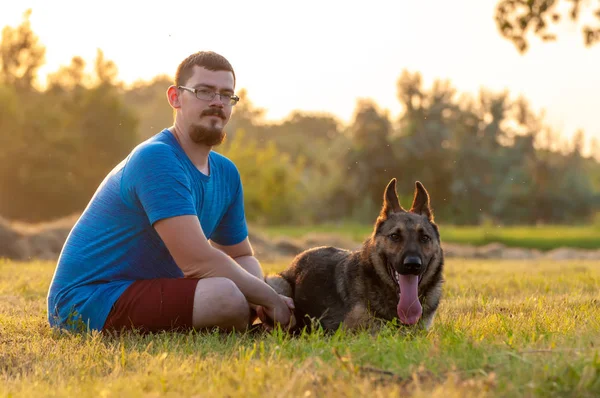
[[413, 261], [412, 265]]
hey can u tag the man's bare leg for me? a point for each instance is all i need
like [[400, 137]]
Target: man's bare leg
[[218, 302]]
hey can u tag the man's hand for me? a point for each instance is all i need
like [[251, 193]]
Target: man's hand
[[282, 313]]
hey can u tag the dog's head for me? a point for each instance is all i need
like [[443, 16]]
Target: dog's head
[[408, 248]]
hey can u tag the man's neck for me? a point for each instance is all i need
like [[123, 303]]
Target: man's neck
[[198, 153]]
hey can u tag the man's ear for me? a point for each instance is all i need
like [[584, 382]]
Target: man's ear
[[173, 97]]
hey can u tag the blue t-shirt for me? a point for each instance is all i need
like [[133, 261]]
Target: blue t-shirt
[[114, 243]]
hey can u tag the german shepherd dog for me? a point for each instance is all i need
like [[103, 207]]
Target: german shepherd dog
[[397, 273]]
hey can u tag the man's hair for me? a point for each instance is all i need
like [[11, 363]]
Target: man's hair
[[206, 59]]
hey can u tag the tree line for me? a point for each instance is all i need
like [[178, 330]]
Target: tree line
[[485, 158]]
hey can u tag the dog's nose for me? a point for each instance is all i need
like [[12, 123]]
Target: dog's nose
[[412, 265]]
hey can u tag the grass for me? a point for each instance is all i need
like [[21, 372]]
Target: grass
[[504, 328], [533, 237]]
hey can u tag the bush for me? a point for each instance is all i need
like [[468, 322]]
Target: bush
[[272, 192]]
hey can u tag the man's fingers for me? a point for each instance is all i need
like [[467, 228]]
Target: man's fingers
[[288, 301], [268, 316]]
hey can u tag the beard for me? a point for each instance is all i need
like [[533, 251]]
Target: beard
[[210, 136]]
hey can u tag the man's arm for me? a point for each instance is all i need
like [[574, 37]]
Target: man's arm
[[243, 254], [192, 252]]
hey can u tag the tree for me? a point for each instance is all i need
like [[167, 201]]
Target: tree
[[271, 180], [516, 19], [70, 77], [21, 55], [57, 144], [149, 102], [248, 118], [424, 149], [306, 134], [369, 163]]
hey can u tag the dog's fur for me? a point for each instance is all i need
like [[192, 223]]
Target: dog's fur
[[361, 288]]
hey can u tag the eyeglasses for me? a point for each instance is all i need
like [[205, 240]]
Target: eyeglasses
[[208, 95]]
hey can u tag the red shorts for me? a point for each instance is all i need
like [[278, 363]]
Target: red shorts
[[153, 305]]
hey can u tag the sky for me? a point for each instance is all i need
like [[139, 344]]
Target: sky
[[325, 55]]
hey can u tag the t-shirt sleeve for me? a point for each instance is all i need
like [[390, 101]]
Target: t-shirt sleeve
[[232, 229], [155, 179]]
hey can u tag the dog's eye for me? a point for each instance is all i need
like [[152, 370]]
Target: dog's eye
[[425, 239], [395, 237]]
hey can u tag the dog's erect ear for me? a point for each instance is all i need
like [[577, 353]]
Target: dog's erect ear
[[391, 204], [421, 202]]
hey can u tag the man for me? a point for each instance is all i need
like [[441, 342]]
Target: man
[[163, 243]]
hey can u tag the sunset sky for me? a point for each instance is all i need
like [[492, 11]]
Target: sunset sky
[[323, 55]]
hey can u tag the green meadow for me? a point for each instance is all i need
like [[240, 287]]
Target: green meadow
[[544, 237], [504, 328]]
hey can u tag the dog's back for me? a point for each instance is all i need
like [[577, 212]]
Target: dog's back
[[312, 280]]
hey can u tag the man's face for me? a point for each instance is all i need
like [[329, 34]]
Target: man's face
[[206, 119]]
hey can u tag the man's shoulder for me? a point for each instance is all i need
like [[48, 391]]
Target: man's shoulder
[[154, 160], [159, 143], [154, 151], [224, 163], [222, 159]]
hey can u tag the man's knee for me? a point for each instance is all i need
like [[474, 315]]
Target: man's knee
[[230, 303], [234, 303]]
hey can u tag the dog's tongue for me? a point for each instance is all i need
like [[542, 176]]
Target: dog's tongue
[[409, 308]]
